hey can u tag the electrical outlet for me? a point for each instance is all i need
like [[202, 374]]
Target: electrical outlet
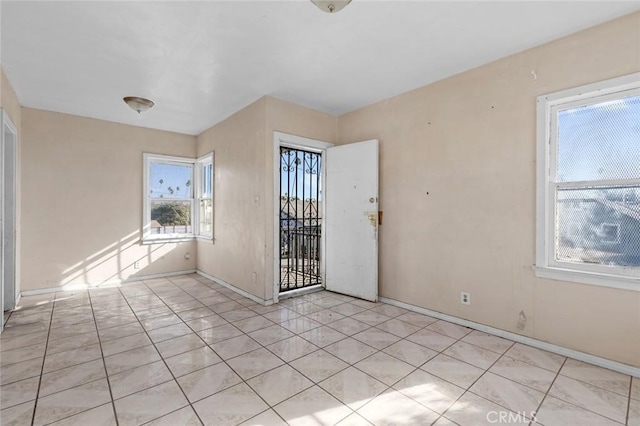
[[187, 256], [465, 298], [136, 264]]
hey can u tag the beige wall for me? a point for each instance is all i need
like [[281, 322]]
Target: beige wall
[[238, 250], [82, 201], [243, 189], [11, 106], [469, 142]]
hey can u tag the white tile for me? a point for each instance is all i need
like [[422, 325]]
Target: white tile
[[319, 365], [266, 418], [507, 393], [393, 408], [150, 404], [18, 392], [353, 387], [254, 363], [350, 350], [597, 376], [429, 390], [202, 383], [235, 346], [72, 401], [472, 410], [453, 370], [139, 378], [99, 416], [598, 400], [314, 406], [537, 357], [410, 352], [69, 377], [385, 368], [555, 412], [292, 348], [523, 373], [124, 361], [487, 341], [18, 415], [191, 361], [279, 384], [182, 417], [474, 355], [230, 407]]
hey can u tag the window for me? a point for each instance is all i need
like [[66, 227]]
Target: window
[[588, 225], [205, 196], [170, 211]]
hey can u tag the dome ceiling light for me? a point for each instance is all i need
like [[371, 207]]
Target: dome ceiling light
[[331, 6], [138, 104]]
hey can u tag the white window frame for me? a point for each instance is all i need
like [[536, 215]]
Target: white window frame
[[200, 164], [147, 236], [547, 108]]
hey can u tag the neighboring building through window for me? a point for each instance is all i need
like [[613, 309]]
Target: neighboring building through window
[[589, 184], [170, 185]]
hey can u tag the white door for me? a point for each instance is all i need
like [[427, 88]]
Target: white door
[[351, 226]]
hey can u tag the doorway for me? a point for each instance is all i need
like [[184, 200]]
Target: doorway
[[300, 218], [299, 207], [325, 217], [8, 152]]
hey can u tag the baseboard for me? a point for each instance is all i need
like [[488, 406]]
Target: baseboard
[[235, 289], [72, 287], [550, 347]]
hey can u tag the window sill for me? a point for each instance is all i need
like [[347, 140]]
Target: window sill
[[591, 278], [149, 241]]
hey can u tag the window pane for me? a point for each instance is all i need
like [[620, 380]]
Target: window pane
[[170, 181], [171, 217], [599, 226], [207, 170], [206, 218], [600, 141]]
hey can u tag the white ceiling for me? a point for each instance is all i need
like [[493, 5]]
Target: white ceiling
[[202, 61]]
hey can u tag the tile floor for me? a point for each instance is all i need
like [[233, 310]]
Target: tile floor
[[186, 351]]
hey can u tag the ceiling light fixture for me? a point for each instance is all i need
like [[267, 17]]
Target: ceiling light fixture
[[138, 104], [331, 6]]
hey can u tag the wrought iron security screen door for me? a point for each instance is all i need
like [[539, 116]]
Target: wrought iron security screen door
[[300, 218]]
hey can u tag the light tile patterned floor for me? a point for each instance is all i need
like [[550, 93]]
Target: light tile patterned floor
[[186, 351]]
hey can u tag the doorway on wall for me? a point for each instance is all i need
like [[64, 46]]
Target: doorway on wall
[[9, 138], [325, 217], [300, 219]]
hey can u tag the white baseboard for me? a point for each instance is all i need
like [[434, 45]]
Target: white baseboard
[[110, 283], [550, 347], [235, 289]]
